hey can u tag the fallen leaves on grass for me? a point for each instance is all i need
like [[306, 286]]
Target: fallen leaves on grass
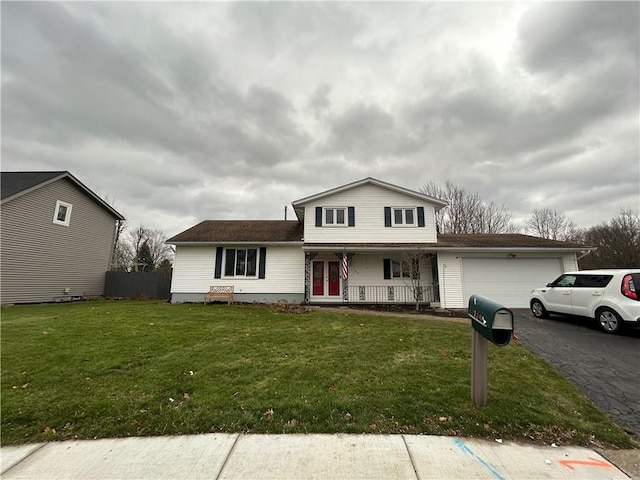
[[290, 308], [268, 414]]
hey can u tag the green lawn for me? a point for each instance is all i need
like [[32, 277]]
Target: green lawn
[[115, 369]]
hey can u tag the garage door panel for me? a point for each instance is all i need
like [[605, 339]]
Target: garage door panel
[[507, 281]]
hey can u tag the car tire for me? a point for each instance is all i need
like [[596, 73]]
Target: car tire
[[608, 320], [538, 309]]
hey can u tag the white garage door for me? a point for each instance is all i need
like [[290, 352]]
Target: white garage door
[[508, 281]]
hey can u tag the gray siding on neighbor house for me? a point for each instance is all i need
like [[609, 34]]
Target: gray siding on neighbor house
[[40, 258]]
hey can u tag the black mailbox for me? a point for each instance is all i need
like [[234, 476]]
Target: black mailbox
[[493, 321]]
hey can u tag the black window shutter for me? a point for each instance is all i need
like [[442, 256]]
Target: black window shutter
[[421, 216], [218, 272], [263, 262], [351, 212], [318, 216], [387, 216], [387, 268]]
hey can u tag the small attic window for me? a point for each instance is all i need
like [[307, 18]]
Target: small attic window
[[62, 214]]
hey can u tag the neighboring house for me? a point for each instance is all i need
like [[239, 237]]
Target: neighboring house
[[57, 238], [357, 244]]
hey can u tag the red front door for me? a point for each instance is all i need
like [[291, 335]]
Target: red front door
[[318, 278], [334, 278], [329, 272]]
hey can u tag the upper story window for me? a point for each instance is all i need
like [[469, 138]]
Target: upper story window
[[240, 262], [62, 213], [404, 216], [334, 216]]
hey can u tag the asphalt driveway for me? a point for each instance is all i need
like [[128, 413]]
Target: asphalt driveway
[[606, 368]]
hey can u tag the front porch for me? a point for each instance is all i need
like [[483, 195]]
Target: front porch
[[385, 277], [396, 294]]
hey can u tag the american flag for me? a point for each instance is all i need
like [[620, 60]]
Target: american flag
[[345, 266]]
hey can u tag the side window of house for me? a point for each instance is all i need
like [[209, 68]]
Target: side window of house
[[62, 213], [335, 217], [395, 268], [240, 262], [404, 217], [399, 269]]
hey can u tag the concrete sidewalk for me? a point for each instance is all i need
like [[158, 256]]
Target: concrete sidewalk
[[238, 456]]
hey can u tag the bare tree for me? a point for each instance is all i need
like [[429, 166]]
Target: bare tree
[[466, 212], [121, 259], [130, 245], [413, 262], [617, 242], [548, 223]]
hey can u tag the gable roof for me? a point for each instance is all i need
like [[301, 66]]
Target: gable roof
[[242, 231], [16, 184], [298, 204]]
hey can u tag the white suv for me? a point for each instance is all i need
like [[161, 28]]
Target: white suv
[[612, 297]]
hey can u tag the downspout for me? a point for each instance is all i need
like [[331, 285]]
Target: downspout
[[588, 252]]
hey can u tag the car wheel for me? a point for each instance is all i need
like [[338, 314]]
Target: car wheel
[[538, 309], [608, 320]]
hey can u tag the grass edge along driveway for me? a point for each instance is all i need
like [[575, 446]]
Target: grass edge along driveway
[[143, 368]]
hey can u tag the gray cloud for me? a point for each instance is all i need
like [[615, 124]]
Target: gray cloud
[[186, 111], [563, 37]]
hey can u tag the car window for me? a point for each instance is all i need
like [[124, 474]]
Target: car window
[[593, 281], [565, 281]]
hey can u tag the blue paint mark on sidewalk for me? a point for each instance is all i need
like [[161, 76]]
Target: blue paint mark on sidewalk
[[466, 449]]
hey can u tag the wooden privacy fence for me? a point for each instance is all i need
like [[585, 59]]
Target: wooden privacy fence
[[151, 285]]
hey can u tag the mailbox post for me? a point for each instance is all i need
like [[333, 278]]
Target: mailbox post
[[491, 322]]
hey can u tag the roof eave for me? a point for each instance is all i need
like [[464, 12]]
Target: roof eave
[[369, 180], [436, 248], [74, 180], [35, 187], [225, 242]]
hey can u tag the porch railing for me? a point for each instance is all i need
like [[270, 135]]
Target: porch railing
[[388, 294]]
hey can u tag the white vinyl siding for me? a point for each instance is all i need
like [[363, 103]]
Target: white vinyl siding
[[368, 270], [450, 273], [369, 202], [569, 263], [194, 271], [508, 281]]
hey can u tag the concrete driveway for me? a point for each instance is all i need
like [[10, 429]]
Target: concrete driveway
[[606, 368]]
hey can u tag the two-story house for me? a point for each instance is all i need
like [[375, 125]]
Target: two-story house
[[365, 242], [57, 238]]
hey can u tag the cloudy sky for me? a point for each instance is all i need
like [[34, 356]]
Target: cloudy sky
[[181, 112]]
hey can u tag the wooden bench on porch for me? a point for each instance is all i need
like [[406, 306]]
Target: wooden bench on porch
[[219, 292]]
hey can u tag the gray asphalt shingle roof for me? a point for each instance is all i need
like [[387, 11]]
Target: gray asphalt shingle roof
[[228, 231], [282, 231], [20, 183], [16, 182]]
